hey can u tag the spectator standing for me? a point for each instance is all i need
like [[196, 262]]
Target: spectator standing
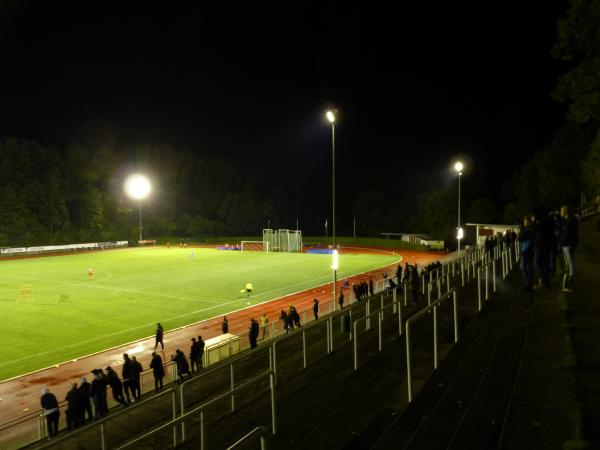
[[74, 407], [264, 320], [86, 404], [315, 307], [225, 325], [159, 337], [341, 299], [158, 371], [128, 378], [137, 372], [294, 316], [98, 393], [569, 238], [116, 385], [194, 355], [51, 412], [183, 368], [286, 321], [525, 239], [371, 287], [201, 346], [253, 333]]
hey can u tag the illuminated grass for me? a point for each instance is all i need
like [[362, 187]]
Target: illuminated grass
[[52, 313]]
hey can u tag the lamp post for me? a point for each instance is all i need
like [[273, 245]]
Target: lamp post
[[331, 118], [458, 166], [138, 187]]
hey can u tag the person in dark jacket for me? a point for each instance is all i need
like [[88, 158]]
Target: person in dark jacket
[[128, 373], [183, 368], [86, 404], [194, 355], [98, 393], [253, 334], [74, 407], [51, 412], [116, 386], [158, 371], [341, 299], [201, 345], [225, 325], [569, 238], [137, 373], [315, 308], [525, 239], [158, 337]]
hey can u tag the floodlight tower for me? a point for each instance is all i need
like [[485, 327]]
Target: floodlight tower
[[138, 187], [331, 118], [458, 167]]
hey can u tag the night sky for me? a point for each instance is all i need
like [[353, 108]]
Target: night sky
[[416, 85]]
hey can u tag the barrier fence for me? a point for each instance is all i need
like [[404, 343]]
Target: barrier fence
[[232, 373]]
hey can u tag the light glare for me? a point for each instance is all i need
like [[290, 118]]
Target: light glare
[[458, 167], [330, 116], [137, 186], [460, 233], [335, 260]]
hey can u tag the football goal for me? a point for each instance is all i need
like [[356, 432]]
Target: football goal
[[282, 240], [254, 246]]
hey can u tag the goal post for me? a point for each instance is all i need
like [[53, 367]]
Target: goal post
[[254, 246]]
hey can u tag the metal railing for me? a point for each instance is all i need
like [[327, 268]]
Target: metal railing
[[422, 313], [259, 432]]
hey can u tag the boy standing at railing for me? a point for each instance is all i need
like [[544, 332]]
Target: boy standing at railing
[[264, 320]]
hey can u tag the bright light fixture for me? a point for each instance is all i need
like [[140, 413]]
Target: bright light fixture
[[330, 116], [137, 186], [335, 260], [460, 233], [458, 166]]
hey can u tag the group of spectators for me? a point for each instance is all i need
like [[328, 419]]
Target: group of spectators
[[291, 318], [542, 239], [362, 290], [499, 240], [81, 397]]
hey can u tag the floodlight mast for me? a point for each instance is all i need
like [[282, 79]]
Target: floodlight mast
[[458, 167], [138, 188], [331, 118]]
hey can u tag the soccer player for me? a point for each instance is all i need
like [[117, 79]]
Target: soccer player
[[193, 255], [90, 273]]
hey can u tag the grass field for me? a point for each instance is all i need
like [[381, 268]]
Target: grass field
[[52, 313]]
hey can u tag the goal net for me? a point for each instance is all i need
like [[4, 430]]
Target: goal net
[[254, 246], [282, 240]]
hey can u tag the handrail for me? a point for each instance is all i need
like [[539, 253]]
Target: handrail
[[173, 423], [262, 432], [433, 307], [103, 420], [366, 317]]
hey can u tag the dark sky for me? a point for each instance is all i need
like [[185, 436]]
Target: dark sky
[[416, 84]]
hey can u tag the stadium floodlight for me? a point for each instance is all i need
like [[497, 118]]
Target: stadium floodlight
[[330, 116], [460, 233], [138, 187], [458, 166]]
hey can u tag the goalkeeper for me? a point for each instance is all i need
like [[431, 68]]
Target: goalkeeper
[[247, 290]]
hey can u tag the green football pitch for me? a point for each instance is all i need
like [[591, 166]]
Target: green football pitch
[[51, 312]]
